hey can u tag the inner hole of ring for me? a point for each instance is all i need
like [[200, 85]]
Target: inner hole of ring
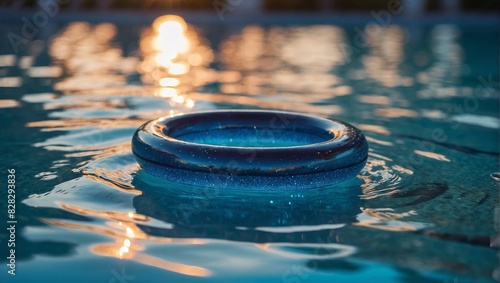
[[245, 133]]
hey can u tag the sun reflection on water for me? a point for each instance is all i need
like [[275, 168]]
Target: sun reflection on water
[[386, 55], [175, 59], [292, 64], [128, 239]]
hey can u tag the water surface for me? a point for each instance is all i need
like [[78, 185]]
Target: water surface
[[422, 210]]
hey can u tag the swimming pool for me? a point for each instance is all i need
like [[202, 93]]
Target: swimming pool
[[422, 210]]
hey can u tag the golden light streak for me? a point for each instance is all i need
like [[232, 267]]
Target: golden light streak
[[432, 155]]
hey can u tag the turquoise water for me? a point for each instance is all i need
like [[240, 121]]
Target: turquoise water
[[422, 210], [249, 137]]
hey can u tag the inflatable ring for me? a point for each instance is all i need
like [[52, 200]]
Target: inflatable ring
[[250, 150]]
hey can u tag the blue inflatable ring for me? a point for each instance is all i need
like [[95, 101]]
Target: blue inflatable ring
[[250, 150]]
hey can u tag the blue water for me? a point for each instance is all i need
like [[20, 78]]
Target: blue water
[[422, 210]]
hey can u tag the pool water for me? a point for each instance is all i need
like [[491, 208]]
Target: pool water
[[422, 210], [248, 137]]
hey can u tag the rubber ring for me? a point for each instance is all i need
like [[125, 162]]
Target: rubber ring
[[250, 150]]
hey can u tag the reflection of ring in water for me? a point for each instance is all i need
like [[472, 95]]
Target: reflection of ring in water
[[305, 251], [253, 150], [274, 217]]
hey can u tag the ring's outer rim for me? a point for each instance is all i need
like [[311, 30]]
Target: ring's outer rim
[[347, 147]]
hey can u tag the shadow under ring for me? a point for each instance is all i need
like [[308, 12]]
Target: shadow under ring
[[250, 150]]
